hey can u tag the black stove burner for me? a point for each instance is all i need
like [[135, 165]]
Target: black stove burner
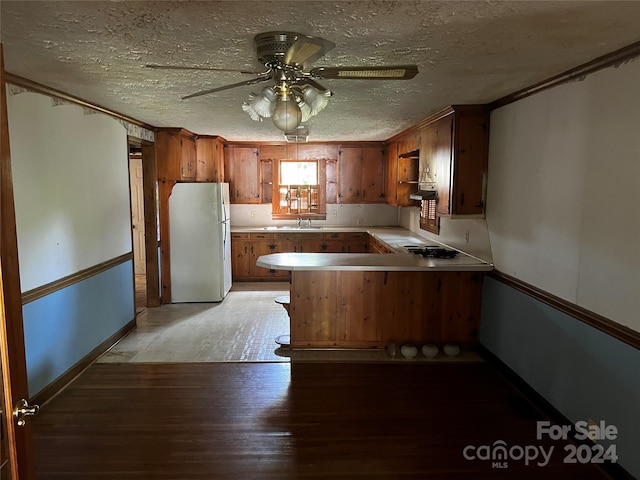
[[433, 252]]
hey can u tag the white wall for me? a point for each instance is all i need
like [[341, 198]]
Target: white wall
[[563, 208], [71, 187]]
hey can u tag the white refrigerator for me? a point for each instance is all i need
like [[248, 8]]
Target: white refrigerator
[[200, 242]]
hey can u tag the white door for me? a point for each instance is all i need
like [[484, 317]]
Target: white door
[[137, 213]]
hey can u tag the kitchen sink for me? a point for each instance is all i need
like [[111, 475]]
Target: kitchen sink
[[292, 227]]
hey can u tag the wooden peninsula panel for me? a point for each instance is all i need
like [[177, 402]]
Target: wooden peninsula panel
[[370, 309]]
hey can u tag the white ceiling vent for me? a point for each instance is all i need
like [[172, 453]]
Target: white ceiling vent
[[299, 135]]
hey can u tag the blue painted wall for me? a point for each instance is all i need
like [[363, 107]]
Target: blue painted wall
[[583, 372], [63, 327]]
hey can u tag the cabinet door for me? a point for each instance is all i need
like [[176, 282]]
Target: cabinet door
[[241, 167], [331, 181], [391, 171], [313, 243], [459, 295], [357, 242], [175, 154], [240, 256], [372, 177], [349, 175], [470, 165], [259, 248], [209, 163], [441, 151], [187, 157]]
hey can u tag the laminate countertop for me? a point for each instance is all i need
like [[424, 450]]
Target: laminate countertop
[[396, 238]]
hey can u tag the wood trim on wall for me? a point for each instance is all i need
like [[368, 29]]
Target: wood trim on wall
[[50, 391], [615, 58], [575, 74], [49, 288], [616, 330], [39, 88]]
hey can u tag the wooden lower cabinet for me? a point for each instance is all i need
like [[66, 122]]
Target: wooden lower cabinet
[[246, 248], [351, 309]]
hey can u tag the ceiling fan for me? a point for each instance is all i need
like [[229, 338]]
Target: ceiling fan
[[294, 94]]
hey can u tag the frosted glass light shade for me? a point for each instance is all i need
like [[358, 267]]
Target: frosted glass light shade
[[261, 105], [316, 99], [287, 115]]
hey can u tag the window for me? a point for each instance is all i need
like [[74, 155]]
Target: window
[[298, 192], [298, 173]]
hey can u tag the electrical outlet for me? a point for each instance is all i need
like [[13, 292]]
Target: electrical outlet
[[359, 221], [253, 214], [334, 213], [466, 236]]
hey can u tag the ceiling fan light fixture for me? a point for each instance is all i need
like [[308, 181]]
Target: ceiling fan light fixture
[[260, 105], [304, 108], [287, 114], [316, 99]]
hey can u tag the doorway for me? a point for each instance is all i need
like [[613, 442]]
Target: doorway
[[144, 223], [137, 227]]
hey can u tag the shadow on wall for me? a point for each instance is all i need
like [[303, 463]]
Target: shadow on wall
[[583, 372]]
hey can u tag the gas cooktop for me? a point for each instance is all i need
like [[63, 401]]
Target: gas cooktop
[[429, 251]]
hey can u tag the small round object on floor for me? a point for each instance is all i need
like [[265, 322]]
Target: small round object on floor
[[451, 350], [392, 350], [408, 350], [429, 350]]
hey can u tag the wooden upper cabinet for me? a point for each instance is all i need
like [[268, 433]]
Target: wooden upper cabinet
[[361, 174], [436, 164], [176, 154], [209, 159], [349, 174], [401, 173], [242, 172], [454, 154], [372, 180], [408, 143]]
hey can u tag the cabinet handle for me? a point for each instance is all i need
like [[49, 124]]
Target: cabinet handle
[[272, 247], [245, 249]]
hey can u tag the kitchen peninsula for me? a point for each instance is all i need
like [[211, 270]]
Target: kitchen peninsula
[[367, 300]]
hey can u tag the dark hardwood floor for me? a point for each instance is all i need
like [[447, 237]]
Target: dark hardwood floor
[[289, 421]]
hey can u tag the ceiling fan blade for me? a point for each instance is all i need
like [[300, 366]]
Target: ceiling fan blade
[[391, 72], [207, 69], [306, 50], [312, 82], [227, 87]]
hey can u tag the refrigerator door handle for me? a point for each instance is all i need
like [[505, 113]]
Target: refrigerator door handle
[[224, 241]]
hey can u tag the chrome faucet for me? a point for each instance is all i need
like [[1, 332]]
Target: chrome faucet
[[299, 222], [309, 220]]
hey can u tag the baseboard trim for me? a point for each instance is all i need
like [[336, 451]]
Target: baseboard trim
[[55, 387], [616, 330], [545, 408]]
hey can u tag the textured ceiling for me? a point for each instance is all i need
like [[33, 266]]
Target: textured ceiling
[[467, 52]]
